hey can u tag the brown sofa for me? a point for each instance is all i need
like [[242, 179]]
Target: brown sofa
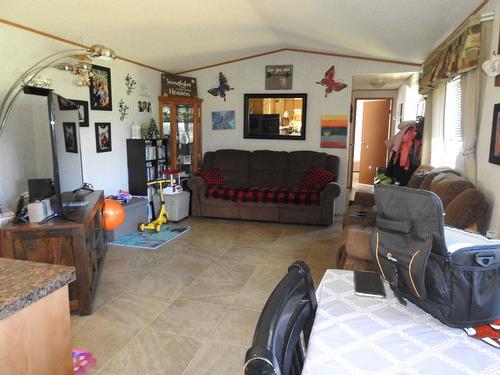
[[266, 169], [465, 207]]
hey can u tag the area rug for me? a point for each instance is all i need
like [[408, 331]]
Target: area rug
[[150, 239]]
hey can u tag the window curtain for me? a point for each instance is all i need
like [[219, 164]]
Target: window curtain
[[472, 98], [437, 122], [459, 54], [427, 133]]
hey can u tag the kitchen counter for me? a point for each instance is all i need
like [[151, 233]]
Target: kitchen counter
[[35, 326], [23, 282]]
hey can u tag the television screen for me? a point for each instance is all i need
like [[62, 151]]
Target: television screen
[[56, 152], [68, 145]]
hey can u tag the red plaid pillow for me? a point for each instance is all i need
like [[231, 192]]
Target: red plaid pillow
[[317, 178], [212, 177]]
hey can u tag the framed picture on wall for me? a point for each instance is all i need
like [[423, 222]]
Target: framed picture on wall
[[65, 104], [70, 141], [83, 113], [279, 77], [103, 136], [100, 89], [495, 136]]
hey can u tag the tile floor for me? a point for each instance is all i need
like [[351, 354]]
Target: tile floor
[[190, 307]]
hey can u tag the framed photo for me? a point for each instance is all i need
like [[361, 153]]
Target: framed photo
[[495, 136], [65, 104], [103, 136], [70, 141], [100, 89], [279, 77], [83, 112], [223, 120]]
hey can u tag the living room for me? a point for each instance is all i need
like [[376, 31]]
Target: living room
[[192, 305]]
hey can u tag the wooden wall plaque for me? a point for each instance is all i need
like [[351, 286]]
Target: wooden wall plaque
[[174, 85]]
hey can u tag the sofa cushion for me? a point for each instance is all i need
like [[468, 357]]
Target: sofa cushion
[[317, 178], [429, 176], [268, 168], [469, 209], [265, 195], [448, 185], [234, 166], [418, 176], [212, 177], [299, 163]]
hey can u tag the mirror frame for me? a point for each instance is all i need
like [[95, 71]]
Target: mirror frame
[[246, 133]]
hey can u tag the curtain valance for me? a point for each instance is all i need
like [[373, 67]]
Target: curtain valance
[[458, 54]]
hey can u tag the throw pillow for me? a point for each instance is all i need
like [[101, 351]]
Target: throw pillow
[[317, 178], [212, 177]]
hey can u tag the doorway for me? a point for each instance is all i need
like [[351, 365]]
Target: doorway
[[372, 119]]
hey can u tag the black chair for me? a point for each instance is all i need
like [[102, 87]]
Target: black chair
[[284, 326]]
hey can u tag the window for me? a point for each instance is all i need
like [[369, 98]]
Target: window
[[452, 129]]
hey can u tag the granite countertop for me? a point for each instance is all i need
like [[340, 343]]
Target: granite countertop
[[23, 282]]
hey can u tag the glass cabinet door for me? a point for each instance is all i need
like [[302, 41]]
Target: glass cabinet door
[[166, 120], [185, 138]]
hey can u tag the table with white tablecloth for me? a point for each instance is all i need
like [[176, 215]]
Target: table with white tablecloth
[[356, 335]]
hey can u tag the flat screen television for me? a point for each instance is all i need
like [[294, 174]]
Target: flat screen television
[[57, 145]]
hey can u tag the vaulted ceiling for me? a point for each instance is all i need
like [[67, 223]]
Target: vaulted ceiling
[[182, 35]]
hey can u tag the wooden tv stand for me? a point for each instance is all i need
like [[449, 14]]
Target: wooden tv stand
[[80, 244]]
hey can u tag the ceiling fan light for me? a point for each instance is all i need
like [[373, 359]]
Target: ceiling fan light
[[377, 83]]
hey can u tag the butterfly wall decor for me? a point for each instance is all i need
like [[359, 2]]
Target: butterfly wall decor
[[329, 82], [222, 88]]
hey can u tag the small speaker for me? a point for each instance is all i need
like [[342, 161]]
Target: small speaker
[[40, 189]]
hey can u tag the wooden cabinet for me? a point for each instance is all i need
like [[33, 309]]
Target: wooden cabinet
[[146, 158], [79, 243], [180, 122]]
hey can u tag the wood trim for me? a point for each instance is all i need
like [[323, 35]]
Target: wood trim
[[355, 57], [67, 41], [302, 51], [233, 60], [373, 90]]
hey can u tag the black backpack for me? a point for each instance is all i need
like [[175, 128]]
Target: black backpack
[[460, 288]]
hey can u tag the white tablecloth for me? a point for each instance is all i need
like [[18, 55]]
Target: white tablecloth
[[363, 335]]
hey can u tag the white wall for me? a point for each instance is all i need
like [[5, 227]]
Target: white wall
[[488, 175], [247, 76], [408, 95], [106, 171]]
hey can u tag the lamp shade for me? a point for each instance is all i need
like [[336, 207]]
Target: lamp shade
[[102, 53], [84, 66], [492, 66]]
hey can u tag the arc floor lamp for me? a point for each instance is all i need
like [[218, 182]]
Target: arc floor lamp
[[81, 68]]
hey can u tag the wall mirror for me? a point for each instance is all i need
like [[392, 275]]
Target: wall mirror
[[275, 116]]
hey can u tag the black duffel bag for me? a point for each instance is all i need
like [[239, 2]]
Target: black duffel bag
[[452, 274]]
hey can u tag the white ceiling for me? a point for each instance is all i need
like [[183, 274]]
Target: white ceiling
[[181, 35], [391, 81]]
